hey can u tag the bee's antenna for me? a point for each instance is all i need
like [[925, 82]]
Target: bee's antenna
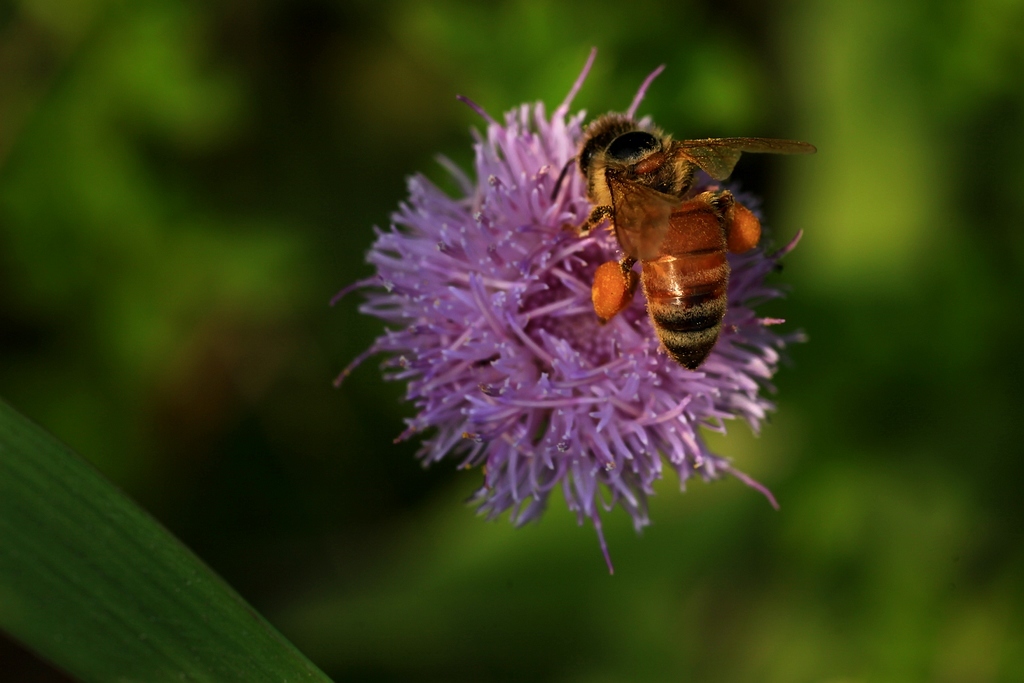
[[561, 177]]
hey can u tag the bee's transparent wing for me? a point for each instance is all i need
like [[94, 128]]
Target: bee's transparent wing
[[718, 156], [641, 218]]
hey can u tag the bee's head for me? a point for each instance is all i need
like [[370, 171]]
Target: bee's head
[[631, 147], [600, 135]]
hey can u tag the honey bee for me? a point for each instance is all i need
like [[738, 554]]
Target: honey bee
[[641, 180]]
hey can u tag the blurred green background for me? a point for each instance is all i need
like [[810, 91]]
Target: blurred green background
[[184, 185]]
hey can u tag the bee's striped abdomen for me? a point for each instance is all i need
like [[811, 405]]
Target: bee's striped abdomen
[[686, 286]]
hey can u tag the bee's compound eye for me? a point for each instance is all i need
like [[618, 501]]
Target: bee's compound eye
[[633, 145]]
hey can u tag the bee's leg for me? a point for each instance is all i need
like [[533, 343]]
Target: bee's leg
[[599, 215], [742, 228], [614, 286]]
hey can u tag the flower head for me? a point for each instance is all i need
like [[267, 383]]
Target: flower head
[[488, 301]]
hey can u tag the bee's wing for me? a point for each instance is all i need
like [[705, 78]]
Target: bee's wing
[[641, 217], [718, 156]]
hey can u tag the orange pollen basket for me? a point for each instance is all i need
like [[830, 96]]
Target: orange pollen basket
[[613, 290], [745, 230]]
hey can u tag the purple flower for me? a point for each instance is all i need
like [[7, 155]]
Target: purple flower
[[490, 324]]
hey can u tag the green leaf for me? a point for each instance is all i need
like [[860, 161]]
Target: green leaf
[[94, 584]]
